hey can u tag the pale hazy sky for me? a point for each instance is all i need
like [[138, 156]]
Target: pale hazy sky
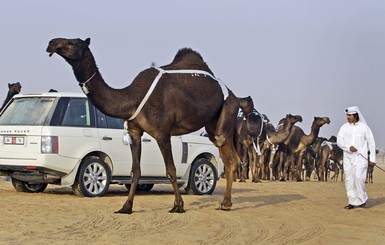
[[312, 58]]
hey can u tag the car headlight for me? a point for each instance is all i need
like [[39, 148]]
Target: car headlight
[[49, 144]]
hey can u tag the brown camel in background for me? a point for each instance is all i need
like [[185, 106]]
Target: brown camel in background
[[249, 127], [186, 98], [329, 150], [273, 138], [311, 154], [13, 88], [294, 147], [257, 139]]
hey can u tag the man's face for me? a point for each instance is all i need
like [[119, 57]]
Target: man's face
[[351, 118]]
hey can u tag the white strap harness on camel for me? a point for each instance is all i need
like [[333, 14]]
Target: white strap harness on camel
[[84, 87], [161, 72], [256, 147], [329, 144]]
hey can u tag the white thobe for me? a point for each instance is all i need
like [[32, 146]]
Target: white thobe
[[355, 165]]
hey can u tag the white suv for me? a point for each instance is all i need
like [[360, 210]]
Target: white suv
[[61, 138]]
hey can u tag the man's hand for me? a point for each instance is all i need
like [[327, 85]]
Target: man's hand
[[353, 149]]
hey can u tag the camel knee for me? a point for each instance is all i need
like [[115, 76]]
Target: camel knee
[[171, 178], [219, 140]]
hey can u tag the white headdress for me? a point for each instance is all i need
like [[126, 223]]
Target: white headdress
[[354, 110]]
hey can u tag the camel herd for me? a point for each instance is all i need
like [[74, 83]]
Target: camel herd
[[185, 96], [286, 152]]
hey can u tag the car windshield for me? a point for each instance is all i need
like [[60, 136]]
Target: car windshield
[[27, 111]]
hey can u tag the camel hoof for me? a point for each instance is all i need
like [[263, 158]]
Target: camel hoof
[[123, 211], [223, 208], [299, 180], [177, 209]]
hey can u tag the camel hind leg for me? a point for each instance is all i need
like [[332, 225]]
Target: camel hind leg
[[165, 148]]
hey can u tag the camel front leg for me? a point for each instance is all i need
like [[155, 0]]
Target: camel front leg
[[271, 165], [230, 168], [281, 166], [298, 169], [243, 168], [256, 166], [165, 148], [136, 149], [224, 140]]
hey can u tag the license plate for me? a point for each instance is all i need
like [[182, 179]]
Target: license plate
[[14, 140]]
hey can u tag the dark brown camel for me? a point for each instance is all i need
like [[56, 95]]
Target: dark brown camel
[[329, 150], [297, 142], [272, 139], [13, 88], [257, 140], [181, 102], [278, 157], [310, 157], [249, 126]]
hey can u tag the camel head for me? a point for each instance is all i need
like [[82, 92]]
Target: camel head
[[321, 120], [246, 104], [293, 118], [14, 88], [69, 49]]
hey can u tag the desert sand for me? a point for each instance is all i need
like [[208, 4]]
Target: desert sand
[[271, 212]]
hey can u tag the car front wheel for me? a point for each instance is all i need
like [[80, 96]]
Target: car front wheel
[[22, 186], [93, 178], [203, 178]]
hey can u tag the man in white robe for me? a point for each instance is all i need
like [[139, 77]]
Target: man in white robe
[[356, 140]]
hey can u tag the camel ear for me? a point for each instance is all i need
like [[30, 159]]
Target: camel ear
[[9, 85], [88, 41]]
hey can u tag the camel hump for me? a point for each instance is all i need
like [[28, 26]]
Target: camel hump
[[190, 59]]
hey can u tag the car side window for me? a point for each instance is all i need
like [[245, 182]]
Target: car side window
[[113, 122], [105, 121], [101, 119], [77, 113]]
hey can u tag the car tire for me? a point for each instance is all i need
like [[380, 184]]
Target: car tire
[[93, 178], [141, 187], [22, 186], [203, 178]]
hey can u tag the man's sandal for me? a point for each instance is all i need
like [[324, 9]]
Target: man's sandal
[[362, 205], [349, 206]]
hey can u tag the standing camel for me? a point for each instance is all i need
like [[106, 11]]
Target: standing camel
[[329, 150], [174, 99], [13, 88], [249, 127], [297, 142], [259, 138], [273, 138]]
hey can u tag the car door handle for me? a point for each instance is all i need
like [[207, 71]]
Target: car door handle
[[106, 138], [146, 140]]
